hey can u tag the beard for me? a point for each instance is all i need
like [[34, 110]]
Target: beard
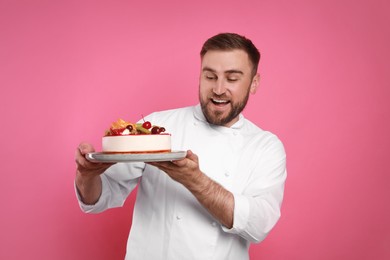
[[216, 117]]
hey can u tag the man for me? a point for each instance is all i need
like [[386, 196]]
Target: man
[[228, 190]]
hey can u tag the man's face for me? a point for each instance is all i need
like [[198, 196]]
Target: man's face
[[225, 84]]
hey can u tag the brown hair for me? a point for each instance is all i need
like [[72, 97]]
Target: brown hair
[[232, 41]]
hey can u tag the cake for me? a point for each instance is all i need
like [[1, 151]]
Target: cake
[[126, 137]]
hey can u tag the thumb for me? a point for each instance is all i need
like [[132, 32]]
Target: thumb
[[190, 157], [193, 157], [86, 148]]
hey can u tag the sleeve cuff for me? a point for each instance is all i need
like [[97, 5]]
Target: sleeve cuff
[[98, 206], [240, 216]]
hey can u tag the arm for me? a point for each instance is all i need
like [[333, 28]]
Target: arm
[[216, 199], [88, 181], [257, 206], [251, 213]]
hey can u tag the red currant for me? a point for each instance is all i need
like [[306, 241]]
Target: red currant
[[162, 129], [155, 130]]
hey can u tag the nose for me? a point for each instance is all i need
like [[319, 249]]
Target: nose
[[219, 88]]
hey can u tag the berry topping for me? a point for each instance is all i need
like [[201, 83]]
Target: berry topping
[[117, 131], [122, 127], [147, 125], [155, 130]]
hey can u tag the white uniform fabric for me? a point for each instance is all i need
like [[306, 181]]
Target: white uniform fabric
[[168, 221]]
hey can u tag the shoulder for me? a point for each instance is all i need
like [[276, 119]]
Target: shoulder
[[262, 139]]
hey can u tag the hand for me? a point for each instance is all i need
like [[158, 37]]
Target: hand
[[86, 168], [183, 171], [88, 182]]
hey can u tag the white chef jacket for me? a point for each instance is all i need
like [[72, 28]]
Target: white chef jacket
[[168, 221]]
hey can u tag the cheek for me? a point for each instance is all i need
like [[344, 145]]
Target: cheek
[[238, 94], [235, 91], [202, 93], [204, 88]]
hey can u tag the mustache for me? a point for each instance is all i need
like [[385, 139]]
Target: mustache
[[214, 96]]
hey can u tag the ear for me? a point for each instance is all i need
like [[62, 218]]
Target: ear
[[255, 83]]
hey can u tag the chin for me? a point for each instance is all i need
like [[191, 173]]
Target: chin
[[217, 118]]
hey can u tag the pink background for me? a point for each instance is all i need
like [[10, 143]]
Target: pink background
[[70, 68]]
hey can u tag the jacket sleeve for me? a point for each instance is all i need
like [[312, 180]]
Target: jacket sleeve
[[257, 208], [117, 183]]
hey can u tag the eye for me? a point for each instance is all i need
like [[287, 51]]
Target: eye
[[233, 76], [232, 79], [210, 77]]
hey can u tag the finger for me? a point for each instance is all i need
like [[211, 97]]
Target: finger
[[92, 168], [81, 161], [165, 166], [193, 157], [180, 163], [78, 157], [159, 164], [86, 148]]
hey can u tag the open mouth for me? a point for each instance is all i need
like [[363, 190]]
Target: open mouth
[[219, 102]]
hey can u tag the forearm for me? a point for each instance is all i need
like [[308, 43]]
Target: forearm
[[89, 188], [215, 198]]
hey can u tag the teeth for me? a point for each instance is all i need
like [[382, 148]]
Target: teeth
[[219, 101]]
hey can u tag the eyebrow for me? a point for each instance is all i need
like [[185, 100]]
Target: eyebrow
[[232, 71]]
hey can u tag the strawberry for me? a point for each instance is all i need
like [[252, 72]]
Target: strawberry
[[117, 131]]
